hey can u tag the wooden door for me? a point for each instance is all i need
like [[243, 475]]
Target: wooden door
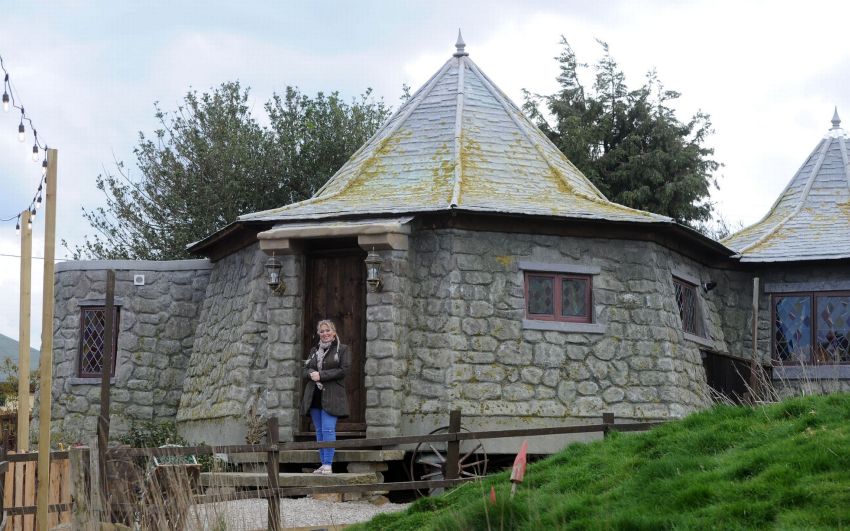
[[336, 290]]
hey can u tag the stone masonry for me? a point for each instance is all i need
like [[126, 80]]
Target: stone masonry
[[156, 331]]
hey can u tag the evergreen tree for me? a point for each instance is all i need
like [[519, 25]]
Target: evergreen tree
[[630, 143], [211, 161]]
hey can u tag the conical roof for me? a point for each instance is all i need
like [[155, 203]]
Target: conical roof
[[457, 144], [811, 218]]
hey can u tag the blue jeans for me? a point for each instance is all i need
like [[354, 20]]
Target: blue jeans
[[325, 431]]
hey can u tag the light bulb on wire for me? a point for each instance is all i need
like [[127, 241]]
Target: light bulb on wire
[[44, 164], [18, 226], [6, 93], [35, 152], [38, 201], [22, 132]]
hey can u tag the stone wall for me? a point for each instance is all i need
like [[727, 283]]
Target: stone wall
[[227, 371], [470, 348], [155, 336]]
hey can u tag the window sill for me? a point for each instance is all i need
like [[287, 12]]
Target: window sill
[[561, 326], [88, 381], [704, 341], [811, 372]]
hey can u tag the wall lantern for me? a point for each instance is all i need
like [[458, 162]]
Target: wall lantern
[[373, 271], [708, 286], [273, 268]]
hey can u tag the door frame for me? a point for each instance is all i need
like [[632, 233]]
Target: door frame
[[337, 247]]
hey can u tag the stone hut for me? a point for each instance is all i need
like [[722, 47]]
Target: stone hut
[[511, 288]]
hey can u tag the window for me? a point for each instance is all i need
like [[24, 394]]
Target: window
[[689, 309], [811, 328], [92, 337], [558, 297]]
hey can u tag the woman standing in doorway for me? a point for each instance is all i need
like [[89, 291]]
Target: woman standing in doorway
[[324, 393]]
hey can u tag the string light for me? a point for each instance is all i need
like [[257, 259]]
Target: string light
[[11, 100], [18, 226], [22, 131], [6, 93], [35, 146]]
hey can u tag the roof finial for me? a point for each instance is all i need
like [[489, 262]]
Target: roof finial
[[460, 45], [836, 121]]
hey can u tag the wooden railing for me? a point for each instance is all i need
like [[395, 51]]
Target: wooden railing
[[452, 438]]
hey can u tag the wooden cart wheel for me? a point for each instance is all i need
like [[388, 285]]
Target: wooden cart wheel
[[428, 462]]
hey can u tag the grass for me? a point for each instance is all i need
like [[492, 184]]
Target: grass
[[784, 466]]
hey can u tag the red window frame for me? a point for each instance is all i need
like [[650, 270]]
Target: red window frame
[[101, 309], [557, 296], [815, 357], [695, 326]]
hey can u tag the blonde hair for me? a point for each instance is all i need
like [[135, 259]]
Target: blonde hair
[[327, 322]]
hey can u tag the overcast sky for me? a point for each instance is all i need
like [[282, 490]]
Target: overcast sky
[[768, 73]]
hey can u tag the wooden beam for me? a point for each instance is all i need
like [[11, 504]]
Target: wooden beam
[[46, 361], [453, 446], [23, 436], [105, 374]]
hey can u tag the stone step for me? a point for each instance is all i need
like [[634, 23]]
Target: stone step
[[312, 456], [285, 479]]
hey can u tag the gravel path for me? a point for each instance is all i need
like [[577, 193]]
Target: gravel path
[[245, 515]]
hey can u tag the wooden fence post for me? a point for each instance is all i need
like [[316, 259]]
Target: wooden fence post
[[453, 446], [81, 513], [273, 468], [608, 422]]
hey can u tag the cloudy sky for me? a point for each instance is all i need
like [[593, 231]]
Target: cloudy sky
[[88, 72]]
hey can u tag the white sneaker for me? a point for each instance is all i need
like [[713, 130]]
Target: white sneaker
[[320, 470], [326, 469]]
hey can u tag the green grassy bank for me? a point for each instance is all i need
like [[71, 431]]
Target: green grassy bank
[[784, 466]]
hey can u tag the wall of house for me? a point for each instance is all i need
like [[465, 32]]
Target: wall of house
[[779, 277], [155, 336], [246, 352], [470, 348]]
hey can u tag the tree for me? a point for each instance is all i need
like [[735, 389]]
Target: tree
[[211, 161], [629, 143]]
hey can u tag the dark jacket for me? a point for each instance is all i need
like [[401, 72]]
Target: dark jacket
[[332, 376]]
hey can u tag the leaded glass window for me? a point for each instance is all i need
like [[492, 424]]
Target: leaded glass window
[[689, 309], [811, 328], [558, 297], [793, 328], [541, 295], [92, 341]]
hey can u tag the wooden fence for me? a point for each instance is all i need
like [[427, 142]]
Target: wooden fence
[[272, 494], [19, 490]]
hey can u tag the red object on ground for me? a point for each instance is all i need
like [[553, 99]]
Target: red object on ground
[[518, 471], [492, 495]]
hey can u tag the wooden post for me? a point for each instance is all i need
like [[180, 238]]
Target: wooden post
[[608, 422], [23, 436], [453, 447], [46, 361], [754, 365], [106, 373], [81, 513], [273, 469]]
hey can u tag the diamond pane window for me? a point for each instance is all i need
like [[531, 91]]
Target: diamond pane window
[[811, 328], [689, 311], [92, 341], [793, 328], [575, 297], [558, 297], [541, 290], [833, 326]]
